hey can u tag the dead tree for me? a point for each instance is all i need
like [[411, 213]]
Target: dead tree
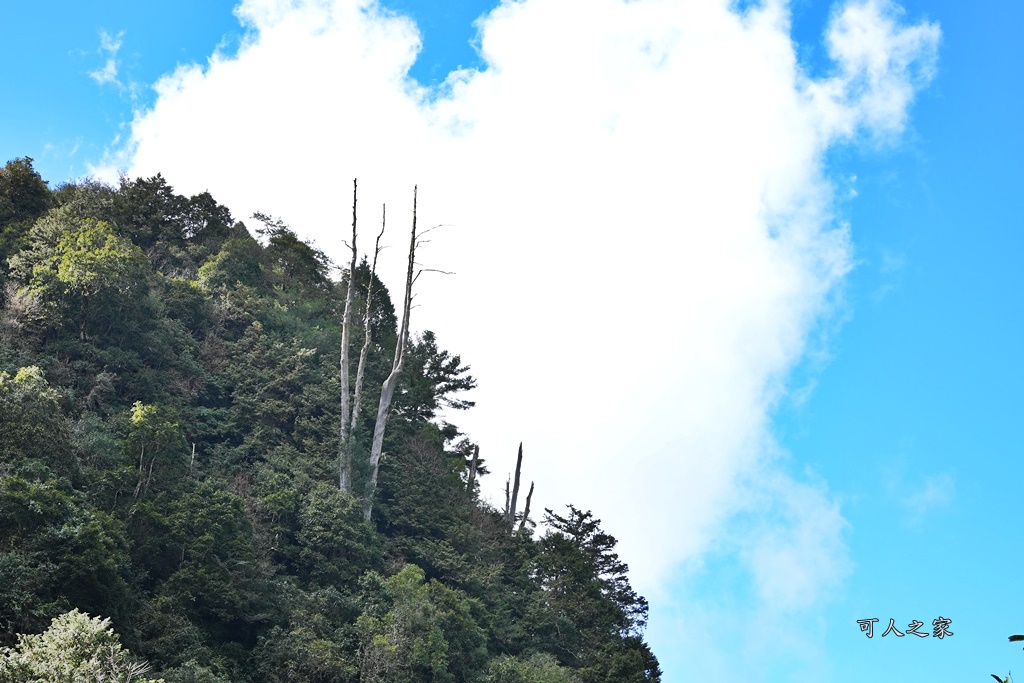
[[507, 498], [388, 388], [526, 510], [472, 468], [510, 510], [512, 498], [344, 448], [357, 394]]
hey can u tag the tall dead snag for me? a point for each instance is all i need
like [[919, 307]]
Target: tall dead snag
[[472, 468], [344, 449], [357, 394], [511, 498], [388, 388], [510, 512], [526, 510], [507, 497]]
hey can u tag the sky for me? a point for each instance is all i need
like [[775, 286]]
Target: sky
[[743, 276]]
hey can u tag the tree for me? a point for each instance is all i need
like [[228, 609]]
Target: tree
[[149, 212], [589, 603], [33, 428], [430, 378], [92, 259], [24, 197], [344, 451], [580, 556], [24, 194], [176, 234], [154, 436], [237, 262], [76, 648], [388, 388], [419, 631], [335, 545], [297, 266], [55, 552], [364, 352], [542, 668], [80, 258]]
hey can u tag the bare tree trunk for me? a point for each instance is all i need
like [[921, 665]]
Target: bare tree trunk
[[142, 470], [84, 317], [357, 395], [510, 516], [507, 498], [472, 468], [388, 388], [344, 451], [526, 510]]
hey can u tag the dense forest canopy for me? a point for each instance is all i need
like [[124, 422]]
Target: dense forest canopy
[[169, 497]]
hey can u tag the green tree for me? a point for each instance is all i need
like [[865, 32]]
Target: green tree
[[32, 428], [197, 549], [429, 379], [154, 436], [335, 544], [76, 648], [90, 258], [56, 553], [318, 644], [239, 260], [542, 668], [177, 234], [589, 605], [24, 196], [149, 212], [73, 261], [578, 559], [424, 507], [420, 631], [297, 266]]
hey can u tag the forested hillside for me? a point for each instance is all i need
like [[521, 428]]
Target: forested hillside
[[170, 403]]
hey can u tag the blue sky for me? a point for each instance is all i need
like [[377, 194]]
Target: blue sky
[[887, 417]]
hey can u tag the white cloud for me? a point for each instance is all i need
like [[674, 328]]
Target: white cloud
[[922, 498], [936, 491], [880, 66], [794, 545], [642, 232], [110, 45]]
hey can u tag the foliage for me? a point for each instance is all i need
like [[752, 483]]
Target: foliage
[[24, 196], [72, 261], [153, 436], [35, 432], [432, 375], [427, 632], [169, 421], [535, 669], [76, 648]]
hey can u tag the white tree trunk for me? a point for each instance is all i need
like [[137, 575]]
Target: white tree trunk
[[388, 388], [344, 449], [357, 394]]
